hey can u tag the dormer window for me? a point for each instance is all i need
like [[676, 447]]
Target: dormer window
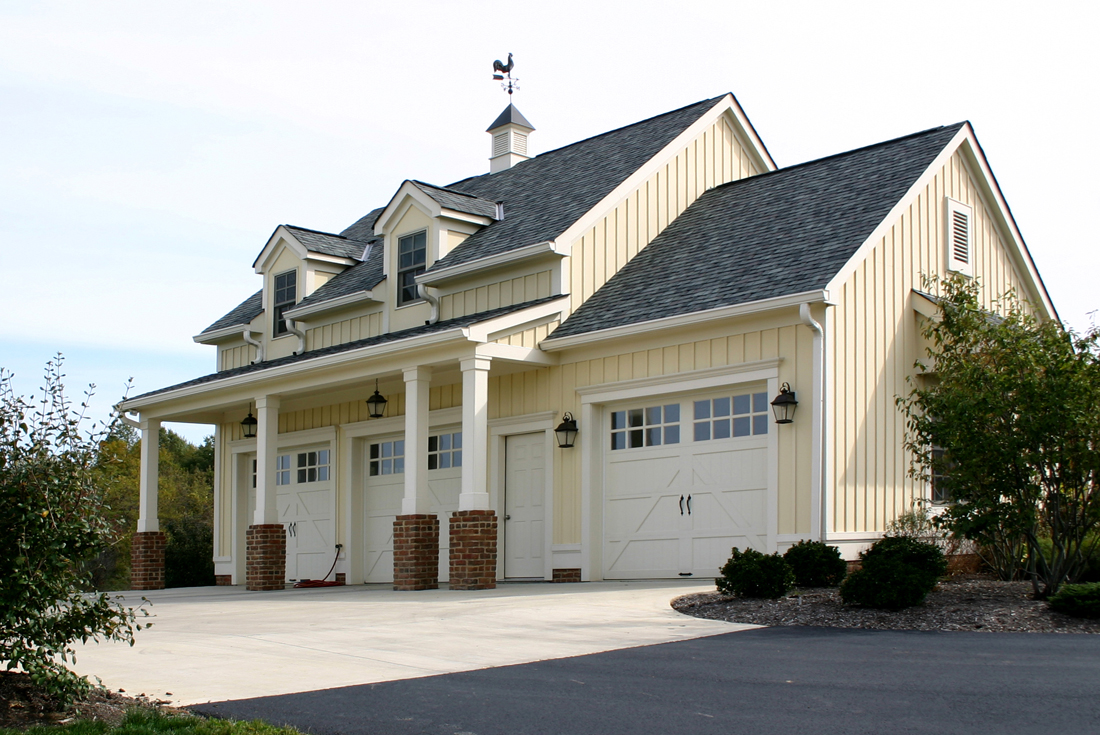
[[412, 254], [286, 295]]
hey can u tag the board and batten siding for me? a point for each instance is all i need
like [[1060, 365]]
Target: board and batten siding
[[554, 389], [712, 158], [875, 341], [343, 331], [235, 357], [505, 292]]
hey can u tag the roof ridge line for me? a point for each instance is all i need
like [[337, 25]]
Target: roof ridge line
[[321, 232], [449, 190]]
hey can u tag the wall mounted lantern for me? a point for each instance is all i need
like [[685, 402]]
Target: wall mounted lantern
[[376, 404], [566, 431], [784, 405], [248, 425]]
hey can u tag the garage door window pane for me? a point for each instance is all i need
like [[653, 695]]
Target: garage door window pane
[[313, 466], [387, 458], [444, 451], [648, 426], [745, 414]]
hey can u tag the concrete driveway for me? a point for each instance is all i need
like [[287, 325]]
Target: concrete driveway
[[220, 643]]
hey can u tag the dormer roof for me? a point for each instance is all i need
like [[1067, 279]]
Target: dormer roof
[[438, 201], [458, 201], [306, 242], [354, 283]]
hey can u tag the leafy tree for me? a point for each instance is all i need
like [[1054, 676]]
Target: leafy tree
[[53, 521], [1010, 424]]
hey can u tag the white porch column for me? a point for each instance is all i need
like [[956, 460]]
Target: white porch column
[[417, 384], [267, 447], [475, 434], [150, 472]]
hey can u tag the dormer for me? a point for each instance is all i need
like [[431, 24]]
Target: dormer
[[294, 263], [421, 224], [509, 131]]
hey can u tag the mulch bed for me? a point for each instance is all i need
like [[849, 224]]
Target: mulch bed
[[24, 705], [964, 602]]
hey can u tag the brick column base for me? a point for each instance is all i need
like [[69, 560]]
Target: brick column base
[[265, 557], [567, 575], [416, 552], [147, 560], [223, 580], [474, 550]]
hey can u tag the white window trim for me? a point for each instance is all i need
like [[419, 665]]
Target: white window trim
[[951, 207]]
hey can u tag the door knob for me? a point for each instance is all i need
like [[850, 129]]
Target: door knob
[[507, 518]]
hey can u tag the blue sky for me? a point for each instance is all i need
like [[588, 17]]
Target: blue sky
[[149, 149]]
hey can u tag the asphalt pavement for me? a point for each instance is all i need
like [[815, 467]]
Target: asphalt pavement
[[770, 680]]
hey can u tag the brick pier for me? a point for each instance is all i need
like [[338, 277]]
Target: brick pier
[[474, 550], [416, 552], [265, 557], [147, 560]]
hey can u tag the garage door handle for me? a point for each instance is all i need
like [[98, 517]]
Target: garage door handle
[[689, 505], [681, 505], [507, 518]]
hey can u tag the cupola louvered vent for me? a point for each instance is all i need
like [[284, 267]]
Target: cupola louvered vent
[[521, 144], [960, 238], [509, 133], [500, 144]]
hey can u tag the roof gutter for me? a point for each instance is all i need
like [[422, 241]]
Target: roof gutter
[[684, 320]]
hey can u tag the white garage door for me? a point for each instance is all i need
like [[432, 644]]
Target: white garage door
[[385, 487], [684, 482]]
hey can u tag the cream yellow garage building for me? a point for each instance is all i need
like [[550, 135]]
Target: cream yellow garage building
[[661, 284]]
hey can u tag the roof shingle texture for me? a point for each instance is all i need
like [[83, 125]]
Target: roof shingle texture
[[362, 276], [442, 326], [244, 313], [544, 195], [770, 235], [327, 243], [458, 201]]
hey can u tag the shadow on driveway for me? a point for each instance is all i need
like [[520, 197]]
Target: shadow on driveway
[[772, 680]]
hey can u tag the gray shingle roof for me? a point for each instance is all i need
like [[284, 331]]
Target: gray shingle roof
[[458, 201], [543, 196], [327, 243], [244, 313], [441, 326], [770, 235], [362, 276], [363, 228]]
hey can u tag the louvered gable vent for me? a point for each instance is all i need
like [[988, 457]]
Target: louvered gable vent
[[959, 237]]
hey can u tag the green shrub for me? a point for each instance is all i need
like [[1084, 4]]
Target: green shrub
[[897, 572], [1078, 600], [749, 573], [815, 564]]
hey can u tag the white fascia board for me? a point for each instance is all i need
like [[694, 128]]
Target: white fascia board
[[441, 275], [966, 141], [686, 320], [512, 353], [296, 368], [476, 219], [209, 338], [410, 190], [491, 328], [332, 304], [726, 105]]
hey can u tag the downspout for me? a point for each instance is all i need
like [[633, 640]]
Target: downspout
[[818, 476], [247, 334], [127, 420], [422, 290], [292, 327]]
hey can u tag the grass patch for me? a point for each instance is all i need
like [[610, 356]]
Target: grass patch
[[151, 722]]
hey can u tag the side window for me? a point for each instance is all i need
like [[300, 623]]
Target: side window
[[313, 466], [387, 458], [941, 477], [445, 451], [645, 427], [286, 295], [412, 253], [733, 416]]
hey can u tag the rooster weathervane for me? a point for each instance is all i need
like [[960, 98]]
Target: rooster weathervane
[[503, 73]]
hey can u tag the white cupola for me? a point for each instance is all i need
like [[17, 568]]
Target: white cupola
[[509, 131]]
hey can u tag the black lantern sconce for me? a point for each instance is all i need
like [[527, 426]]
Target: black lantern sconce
[[784, 405], [376, 404], [566, 431], [248, 424]]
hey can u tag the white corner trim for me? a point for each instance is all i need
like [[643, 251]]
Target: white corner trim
[[512, 353], [685, 320], [716, 377], [320, 307], [440, 275]]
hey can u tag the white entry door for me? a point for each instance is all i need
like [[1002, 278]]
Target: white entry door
[[524, 509], [685, 481]]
